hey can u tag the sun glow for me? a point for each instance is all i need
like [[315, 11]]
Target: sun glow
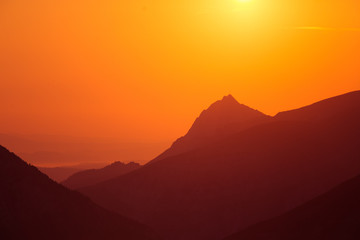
[[89, 64]]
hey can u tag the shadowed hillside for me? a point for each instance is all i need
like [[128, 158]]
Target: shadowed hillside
[[34, 207], [93, 176], [325, 109], [331, 216], [256, 174]]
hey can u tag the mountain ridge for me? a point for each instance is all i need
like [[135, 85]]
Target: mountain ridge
[[250, 176], [324, 108], [92, 176]]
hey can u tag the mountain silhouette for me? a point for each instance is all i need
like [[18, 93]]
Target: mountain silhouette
[[325, 109], [256, 174], [79, 152], [32, 206], [222, 119], [331, 216], [93, 176]]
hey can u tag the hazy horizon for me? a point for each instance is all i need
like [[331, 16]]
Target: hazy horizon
[[50, 150], [129, 69]]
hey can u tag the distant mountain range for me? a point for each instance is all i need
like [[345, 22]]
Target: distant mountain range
[[32, 206], [237, 167], [89, 152], [331, 216], [59, 174], [94, 176]]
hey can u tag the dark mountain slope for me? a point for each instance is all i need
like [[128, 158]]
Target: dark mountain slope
[[34, 207], [325, 109], [222, 119], [259, 173], [332, 216], [93, 176]]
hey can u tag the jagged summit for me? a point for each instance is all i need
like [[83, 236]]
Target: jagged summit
[[222, 113], [223, 118], [229, 98], [228, 106]]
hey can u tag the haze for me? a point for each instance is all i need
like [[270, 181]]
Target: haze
[[141, 71]]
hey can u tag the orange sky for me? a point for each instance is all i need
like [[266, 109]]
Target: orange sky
[[143, 70]]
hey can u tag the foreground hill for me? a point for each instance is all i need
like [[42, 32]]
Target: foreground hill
[[331, 216], [93, 176], [34, 207], [259, 173]]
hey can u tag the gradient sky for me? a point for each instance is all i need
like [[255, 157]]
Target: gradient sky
[[143, 70]]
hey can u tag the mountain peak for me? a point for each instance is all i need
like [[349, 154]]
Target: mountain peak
[[229, 107], [222, 113], [223, 118], [229, 98]]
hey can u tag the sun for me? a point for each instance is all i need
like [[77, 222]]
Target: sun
[[244, 1]]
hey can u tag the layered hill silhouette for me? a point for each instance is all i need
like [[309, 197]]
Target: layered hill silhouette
[[32, 206], [93, 176], [85, 152], [262, 171], [59, 174], [339, 106], [222, 119], [331, 216]]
